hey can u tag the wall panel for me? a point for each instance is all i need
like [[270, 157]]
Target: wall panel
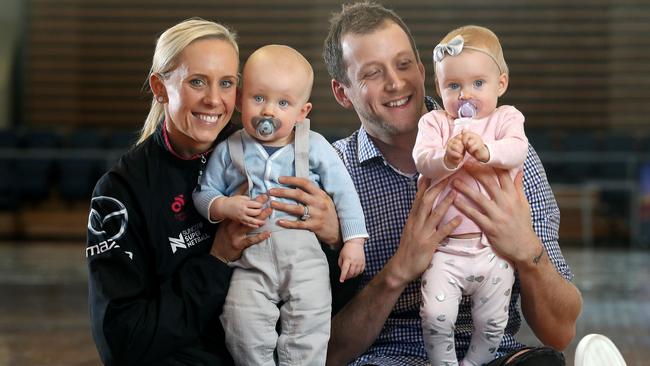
[[573, 64]]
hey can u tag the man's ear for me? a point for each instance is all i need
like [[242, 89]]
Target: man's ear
[[503, 83], [339, 93], [157, 87]]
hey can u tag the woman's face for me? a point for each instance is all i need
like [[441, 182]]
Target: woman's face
[[200, 95]]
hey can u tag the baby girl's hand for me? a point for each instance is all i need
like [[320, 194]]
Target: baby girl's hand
[[475, 146], [454, 152]]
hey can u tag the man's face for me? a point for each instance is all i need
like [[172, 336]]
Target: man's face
[[386, 81]]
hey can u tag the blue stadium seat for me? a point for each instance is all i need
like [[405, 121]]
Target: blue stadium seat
[[8, 188], [579, 143], [34, 175], [77, 174]]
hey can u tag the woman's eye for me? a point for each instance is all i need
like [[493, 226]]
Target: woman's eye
[[197, 82], [227, 84]]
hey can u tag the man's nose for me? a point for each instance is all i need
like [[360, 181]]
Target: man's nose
[[393, 80]]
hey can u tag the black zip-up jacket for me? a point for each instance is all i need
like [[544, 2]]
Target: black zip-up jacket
[[155, 292]]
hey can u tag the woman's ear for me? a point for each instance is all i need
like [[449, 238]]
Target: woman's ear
[[339, 93], [157, 86]]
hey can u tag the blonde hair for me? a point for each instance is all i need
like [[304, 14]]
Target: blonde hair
[[169, 45], [481, 38]]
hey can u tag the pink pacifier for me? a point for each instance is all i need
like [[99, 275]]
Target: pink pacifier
[[466, 113], [467, 110]]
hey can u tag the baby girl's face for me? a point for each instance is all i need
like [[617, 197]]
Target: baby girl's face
[[471, 76]]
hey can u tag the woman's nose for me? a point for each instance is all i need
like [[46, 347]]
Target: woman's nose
[[212, 97]]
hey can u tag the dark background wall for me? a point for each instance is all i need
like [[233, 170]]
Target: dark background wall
[[583, 63], [72, 77]]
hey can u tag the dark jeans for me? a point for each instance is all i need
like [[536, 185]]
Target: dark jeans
[[535, 356]]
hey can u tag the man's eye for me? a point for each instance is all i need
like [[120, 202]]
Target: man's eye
[[371, 74]]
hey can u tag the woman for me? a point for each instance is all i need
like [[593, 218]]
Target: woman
[[158, 272]]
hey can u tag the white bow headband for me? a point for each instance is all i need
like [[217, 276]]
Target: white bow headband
[[455, 47]]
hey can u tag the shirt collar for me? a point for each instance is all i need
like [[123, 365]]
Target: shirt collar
[[367, 149]]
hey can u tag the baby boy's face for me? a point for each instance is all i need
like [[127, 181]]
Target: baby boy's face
[[272, 101]]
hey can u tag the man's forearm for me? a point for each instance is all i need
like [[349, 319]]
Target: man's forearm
[[358, 324], [550, 303]]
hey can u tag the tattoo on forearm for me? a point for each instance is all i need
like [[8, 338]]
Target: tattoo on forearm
[[538, 257]]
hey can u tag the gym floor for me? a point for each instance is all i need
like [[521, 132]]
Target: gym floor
[[44, 310]]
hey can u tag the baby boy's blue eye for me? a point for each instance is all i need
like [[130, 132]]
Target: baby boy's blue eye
[[283, 103], [479, 83]]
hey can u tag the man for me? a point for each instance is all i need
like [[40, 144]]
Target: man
[[375, 69]]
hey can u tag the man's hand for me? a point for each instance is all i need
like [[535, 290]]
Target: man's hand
[[421, 235], [505, 218], [322, 221]]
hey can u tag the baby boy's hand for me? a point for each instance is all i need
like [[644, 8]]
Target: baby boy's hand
[[352, 259], [244, 210]]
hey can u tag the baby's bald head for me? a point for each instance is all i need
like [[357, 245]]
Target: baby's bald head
[[281, 61]]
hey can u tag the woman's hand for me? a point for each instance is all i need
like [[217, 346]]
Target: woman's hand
[[232, 237], [322, 220]]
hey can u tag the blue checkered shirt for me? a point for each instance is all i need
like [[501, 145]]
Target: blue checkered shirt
[[386, 196]]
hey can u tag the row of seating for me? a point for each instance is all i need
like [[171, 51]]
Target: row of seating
[[585, 140], [83, 138], [37, 164]]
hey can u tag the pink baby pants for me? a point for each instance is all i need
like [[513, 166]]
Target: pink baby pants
[[465, 267]]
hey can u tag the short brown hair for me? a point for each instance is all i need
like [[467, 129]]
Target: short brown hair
[[358, 18]]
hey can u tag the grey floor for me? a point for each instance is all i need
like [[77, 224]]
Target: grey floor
[[44, 316]]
